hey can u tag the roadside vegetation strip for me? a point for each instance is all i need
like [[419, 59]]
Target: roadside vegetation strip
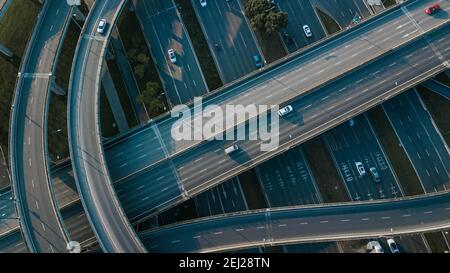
[[322, 167], [271, 45], [439, 108], [141, 61], [436, 242], [200, 44], [399, 160], [15, 29]]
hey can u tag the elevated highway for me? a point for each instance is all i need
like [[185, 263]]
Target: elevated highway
[[103, 210], [438, 88], [198, 168], [270, 227], [39, 218]]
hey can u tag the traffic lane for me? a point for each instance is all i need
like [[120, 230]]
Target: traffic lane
[[107, 218], [300, 13], [358, 143], [342, 11], [64, 186], [382, 38], [45, 223], [224, 23], [147, 192], [417, 142], [224, 198], [287, 181], [264, 87], [77, 224], [409, 244], [301, 224], [8, 216], [147, 149], [428, 125], [163, 30], [13, 243], [198, 170]]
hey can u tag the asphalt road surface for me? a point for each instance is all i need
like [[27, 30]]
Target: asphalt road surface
[[39, 216], [286, 180], [110, 225], [359, 143], [300, 13], [207, 165], [224, 198], [286, 80], [421, 140], [302, 224], [224, 24], [164, 30]]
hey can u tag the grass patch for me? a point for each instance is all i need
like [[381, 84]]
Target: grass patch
[[15, 28], [389, 3], [271, 45], [252, 190], [122, 93], [329, 23], [325, 173], [64, 65], [436, 242], [391, 144], [183, 212], [354, 246], [439, 108], [200, 45], [107, 121], [134, 44]]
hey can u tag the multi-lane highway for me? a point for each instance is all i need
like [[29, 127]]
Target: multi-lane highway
[[225, 25], [303, 224], [290, 78], [40, 219], [163, 29], [421, 140], [206, 165], [107, 219], [358, 143]]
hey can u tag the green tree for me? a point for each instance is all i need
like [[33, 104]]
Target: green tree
[[264, 17], [139, 71], [150, 93], [275, 21]]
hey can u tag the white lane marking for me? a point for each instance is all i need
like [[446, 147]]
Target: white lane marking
[[123, 165], [37, 205], [260, 227], [218, 233], [365, 219], [196, 237], [239, 229], [385, 217], [282, 225], [43, 227], [175, 242], [345, 220], [304, 223], [428, 212], [145, 198], [406, 215], [323, 222]]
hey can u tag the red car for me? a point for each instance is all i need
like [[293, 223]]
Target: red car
[[433, 9]]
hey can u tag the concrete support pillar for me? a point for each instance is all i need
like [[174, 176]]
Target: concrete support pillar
[[57, 89]]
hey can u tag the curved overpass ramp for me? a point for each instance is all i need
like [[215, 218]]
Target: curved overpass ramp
[[37, 210], [303, 224], [107, 219]]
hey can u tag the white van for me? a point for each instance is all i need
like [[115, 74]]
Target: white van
[[231, 149]]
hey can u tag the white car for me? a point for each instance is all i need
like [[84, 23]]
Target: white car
[[285, 110], [307, 31], [360, 168], [101, 26], [172, 56], [203, 3], [375, 247], [393, 246]]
